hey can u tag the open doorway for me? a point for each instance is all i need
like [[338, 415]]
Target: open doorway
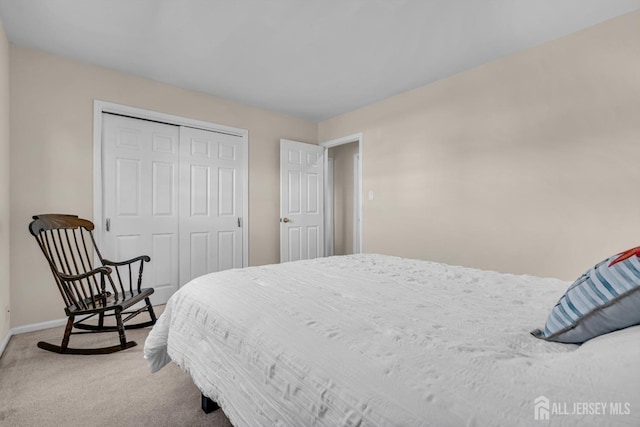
[[343, 205], [343, 198]]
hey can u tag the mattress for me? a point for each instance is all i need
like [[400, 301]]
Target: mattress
[[374, 340]]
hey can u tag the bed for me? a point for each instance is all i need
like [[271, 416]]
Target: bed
[[374, 340]]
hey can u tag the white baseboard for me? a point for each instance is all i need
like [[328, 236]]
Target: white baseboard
[[30, 328], [38, 326], [5, 341]]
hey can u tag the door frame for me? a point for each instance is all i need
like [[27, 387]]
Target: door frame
[[334, 143], [100, 107], [357, 196], [328, 211]]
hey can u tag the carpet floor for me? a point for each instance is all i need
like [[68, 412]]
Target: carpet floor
[[40, 388]]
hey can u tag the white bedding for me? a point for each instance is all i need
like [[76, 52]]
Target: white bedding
[[372, 340]]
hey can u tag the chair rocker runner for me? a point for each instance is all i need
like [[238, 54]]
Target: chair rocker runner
[[68, 244]]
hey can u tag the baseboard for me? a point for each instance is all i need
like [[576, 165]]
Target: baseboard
[[38, 326], [5, 341]]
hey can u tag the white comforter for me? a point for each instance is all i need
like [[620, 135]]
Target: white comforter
[[372, 340]]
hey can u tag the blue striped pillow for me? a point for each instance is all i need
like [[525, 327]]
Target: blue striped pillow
[[604, 299]]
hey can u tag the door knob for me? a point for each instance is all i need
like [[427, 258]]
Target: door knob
[[285, 220]]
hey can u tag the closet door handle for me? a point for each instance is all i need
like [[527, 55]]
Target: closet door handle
[[108, 224]]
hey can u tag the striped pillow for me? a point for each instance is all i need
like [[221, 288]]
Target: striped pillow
[[604, 299]]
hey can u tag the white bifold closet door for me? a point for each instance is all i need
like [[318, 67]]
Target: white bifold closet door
[[210, 202], [173, 193]]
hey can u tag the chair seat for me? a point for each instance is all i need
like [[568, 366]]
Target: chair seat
[[111, 302]]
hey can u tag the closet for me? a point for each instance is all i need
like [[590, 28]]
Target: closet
[[173, 193]]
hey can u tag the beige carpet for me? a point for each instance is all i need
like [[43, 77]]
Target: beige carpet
[[40, 388]]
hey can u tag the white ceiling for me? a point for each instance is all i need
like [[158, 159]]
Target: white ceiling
[[310, 59]]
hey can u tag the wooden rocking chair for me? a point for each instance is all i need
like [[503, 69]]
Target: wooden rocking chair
[[67, 243]]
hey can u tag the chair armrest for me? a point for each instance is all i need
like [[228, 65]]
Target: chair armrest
[[143, 258], [123, 284], [74, 277], [86, 296]]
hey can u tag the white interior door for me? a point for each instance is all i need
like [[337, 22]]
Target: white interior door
[[140, 190], [301, 201], [210, 202]]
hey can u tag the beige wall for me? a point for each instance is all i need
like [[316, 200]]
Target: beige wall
[[528, 164], [52, 152], [4, 184], [343, 197]]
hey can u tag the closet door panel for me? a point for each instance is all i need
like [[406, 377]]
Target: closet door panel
[[140, 191], [210, 202]]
